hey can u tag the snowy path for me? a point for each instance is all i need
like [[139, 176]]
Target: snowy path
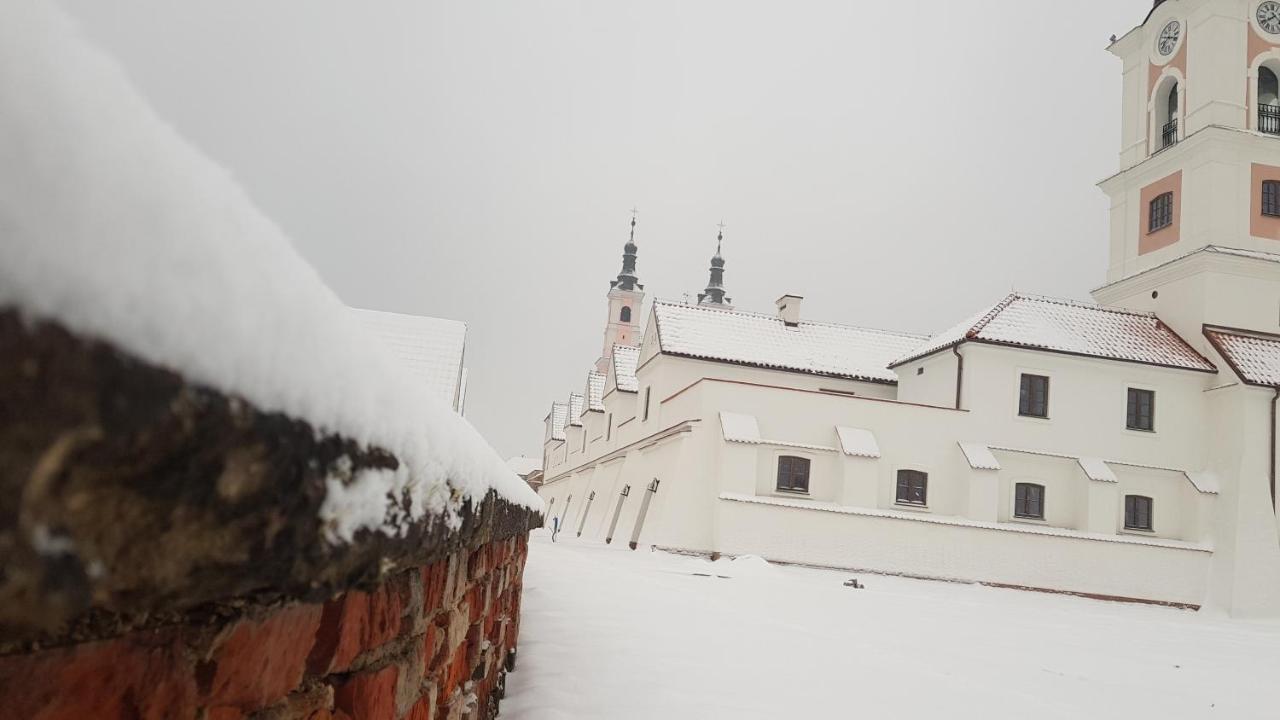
[[608, 633]]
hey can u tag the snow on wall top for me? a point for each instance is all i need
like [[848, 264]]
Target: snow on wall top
[[766, 341], [1071, 327], [737, 427], [576, 405], [1097, 469], [119, 229], [595, 391], [625, 358], [1206, 250], [1254, 356], [979, 456], [858, 442], [432, 349]]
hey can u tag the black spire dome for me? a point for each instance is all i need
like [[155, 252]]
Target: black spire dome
[[627, 279], [714, 294]]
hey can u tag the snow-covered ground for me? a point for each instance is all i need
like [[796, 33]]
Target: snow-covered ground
[[610, 633]]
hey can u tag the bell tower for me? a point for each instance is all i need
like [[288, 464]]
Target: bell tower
[[625, 297], [1200, 148]]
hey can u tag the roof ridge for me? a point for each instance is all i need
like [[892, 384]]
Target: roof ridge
[[991, 314], [766, 316], [1086, 305]]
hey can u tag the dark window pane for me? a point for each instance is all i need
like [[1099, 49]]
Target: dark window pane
[[793, 474], [1271, 198], [1028, 501], [1161, 214], [1137, 512], [912, 487], [1141, 411], [1033, 396]]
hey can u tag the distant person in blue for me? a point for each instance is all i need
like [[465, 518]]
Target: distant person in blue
[[555, 528]]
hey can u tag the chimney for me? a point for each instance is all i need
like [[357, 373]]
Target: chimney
[[789, 309]]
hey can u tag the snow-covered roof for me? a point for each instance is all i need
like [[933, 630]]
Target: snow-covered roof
[[118, 229], [1205, 482], [979, 456], [430, 348], [759, 340], [1254, 356], [625, 358], [595, 390], [559, 418], [576, 405], [857, 442], [1097, 469], [1066, 326], [522, 465]]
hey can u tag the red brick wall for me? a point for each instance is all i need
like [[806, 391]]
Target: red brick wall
[[429, 642]]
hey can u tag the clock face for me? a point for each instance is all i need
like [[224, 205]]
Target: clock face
[[1269, 17], [1168, 40]]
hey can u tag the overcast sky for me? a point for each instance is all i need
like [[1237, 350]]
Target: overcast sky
[[900, 164]]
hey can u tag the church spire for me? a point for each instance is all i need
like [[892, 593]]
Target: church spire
[[627, 279], [714, 295]]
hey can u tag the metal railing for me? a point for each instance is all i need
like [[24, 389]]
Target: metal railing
[[1169, 136], [1269, 119]]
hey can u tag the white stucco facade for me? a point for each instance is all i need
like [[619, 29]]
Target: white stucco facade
[[1147, 461]]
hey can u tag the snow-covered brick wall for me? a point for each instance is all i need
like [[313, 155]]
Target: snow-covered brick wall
[[118, 229]]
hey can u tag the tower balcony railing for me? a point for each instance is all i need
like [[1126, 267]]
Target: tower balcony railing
[[1269, 119], [1169, 135]]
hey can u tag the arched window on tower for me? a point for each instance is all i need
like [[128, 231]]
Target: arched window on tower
[[1268, 101], [625, 315], [1169, 118]]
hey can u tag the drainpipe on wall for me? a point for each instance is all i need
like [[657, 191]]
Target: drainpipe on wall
[[960, 379], [1274, 400]]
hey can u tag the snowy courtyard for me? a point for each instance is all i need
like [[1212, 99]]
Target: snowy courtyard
[[610, 633]]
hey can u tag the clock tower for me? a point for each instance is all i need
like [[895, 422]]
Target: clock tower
[[1199, 162]]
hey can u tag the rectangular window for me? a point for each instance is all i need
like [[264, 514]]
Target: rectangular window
[[1137, 512], [1271, 198], [913, 488], [1033, 396], [608, 427], [793, 474], [1142, 410], [1161, 215], [1028, 501], [646, 404]]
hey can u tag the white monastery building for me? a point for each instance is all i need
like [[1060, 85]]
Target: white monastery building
[[1123, 450]]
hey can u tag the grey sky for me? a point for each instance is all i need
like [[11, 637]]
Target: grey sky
[[898, 163]]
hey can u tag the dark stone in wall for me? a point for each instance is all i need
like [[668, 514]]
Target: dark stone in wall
[[132, 499]]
